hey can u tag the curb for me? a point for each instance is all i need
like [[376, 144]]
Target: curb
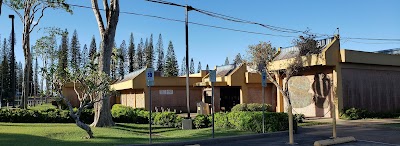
[[218, 140], [334, 141]]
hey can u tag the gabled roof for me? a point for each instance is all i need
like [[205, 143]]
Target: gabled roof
[[224, 70], [131, 75], [291, 52]]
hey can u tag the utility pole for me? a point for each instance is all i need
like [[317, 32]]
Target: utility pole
[[12, 62]]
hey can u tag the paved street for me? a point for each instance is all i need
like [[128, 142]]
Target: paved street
[[365, 133]]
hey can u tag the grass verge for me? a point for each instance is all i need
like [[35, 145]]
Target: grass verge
[[69, 134]]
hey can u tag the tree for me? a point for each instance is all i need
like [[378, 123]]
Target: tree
[[102, 116], [131, 53], [75, 57], [139, 55], [207, 68], [85, 57], [183, 67], [160, 54], [27, 10], [45, 49], [63, 54], [238, 59], [199, 67], [226, 61], [20, 74], [263, 53], [91, 84], [92, 49], [121, 59], [35, 81], [150, 52], [12, 68], [5, 74], [191, 71], [114, 64], [171, 64]]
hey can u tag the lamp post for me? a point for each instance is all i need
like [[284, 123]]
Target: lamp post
[[12, 64]]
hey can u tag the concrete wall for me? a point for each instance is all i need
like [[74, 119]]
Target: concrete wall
[[311, 94], [371, 87]]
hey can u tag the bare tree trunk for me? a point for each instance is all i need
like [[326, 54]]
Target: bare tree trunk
[[28, 62], [102, 116]]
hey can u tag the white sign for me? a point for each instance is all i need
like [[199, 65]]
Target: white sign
[[213, 76], [166, 92], [150, 76], [264, 79]]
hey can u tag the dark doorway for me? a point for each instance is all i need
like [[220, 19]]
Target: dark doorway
[[229, 97]]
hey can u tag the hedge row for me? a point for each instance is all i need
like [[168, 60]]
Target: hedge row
[[251, 107], [356, 113], [42, 116], [247, 121]]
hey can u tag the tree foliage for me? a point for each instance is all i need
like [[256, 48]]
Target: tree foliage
[[238, 59], [121, 59], [149, 52], [199, 67], [171, 64], [131, 53], [160, 54], [139, 54], [191, 71]]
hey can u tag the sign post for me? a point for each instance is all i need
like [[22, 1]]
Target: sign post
[[264, 84], [213, 78], [150, 82]]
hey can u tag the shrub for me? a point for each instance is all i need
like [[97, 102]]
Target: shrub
[[353, 114], [42, 116], [252, 121], [165, 119], [202, 121], [251, 107], [221, 120], [123, 114]]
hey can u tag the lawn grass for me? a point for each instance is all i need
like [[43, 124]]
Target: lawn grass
[[312, 123], [70, 134]]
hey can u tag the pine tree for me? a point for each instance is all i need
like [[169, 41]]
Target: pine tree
[[5, 74], [226, 61], [207, 68], [238, 59], [183, 67], [171, 64], [114, 63], [85, 58], [160, 54], [121, 59], [199, 67], [75, 56], [92, 49], [63, 55], [131, 54], [150, 52], [20, 75], [191, 71], [139, 54], [35, 80], [12, 68]]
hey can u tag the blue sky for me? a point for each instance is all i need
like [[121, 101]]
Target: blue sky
[[367, 18]]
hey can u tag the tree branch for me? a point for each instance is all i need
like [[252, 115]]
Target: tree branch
[[15, 10], [107, 9], [98, 16], [37, 22]]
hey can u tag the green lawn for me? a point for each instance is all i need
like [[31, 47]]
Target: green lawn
[[43, 107], [69, 134]]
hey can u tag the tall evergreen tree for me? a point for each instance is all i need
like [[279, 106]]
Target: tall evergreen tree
[[150, 53], [131, 54], [191, 70], [171, 64], [199, 67], [75, 56], [114, 63], [35, 81], [207, 68], [85, 58], [226, 61], [5, 74], [92, 49], [146, 55], [121, 59], [63, 54], [12, 68], [20, 75], [183, 67], [238, 59], [160, 54], [139, 54]]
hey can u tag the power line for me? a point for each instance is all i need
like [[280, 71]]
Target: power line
[[195, 23]]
